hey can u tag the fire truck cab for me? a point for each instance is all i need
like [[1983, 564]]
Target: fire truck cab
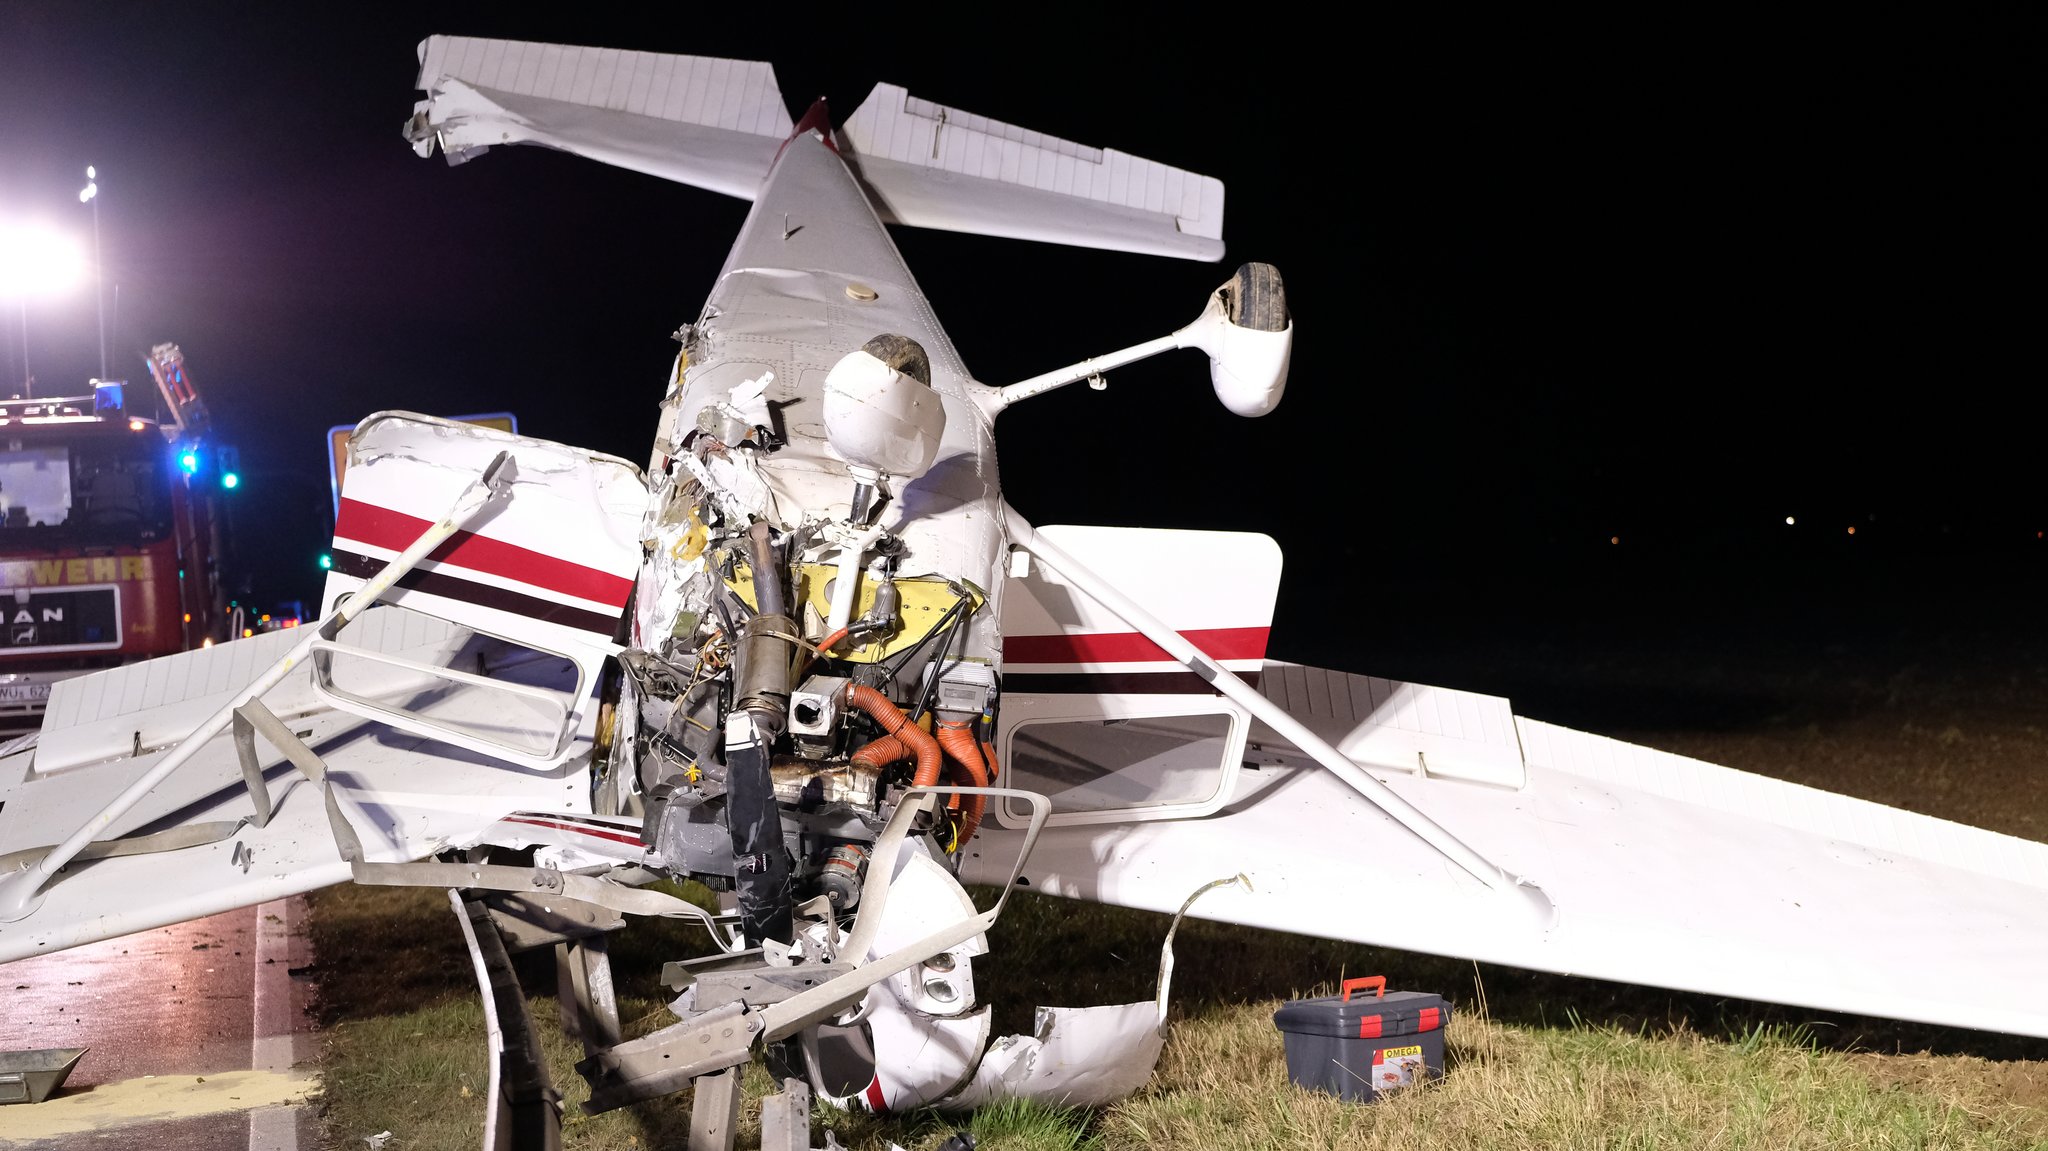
[[112, 533]]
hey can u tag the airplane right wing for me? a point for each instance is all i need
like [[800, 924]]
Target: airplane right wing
[[1439, 821]]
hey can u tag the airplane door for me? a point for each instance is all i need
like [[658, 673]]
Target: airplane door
[[1099, 718]]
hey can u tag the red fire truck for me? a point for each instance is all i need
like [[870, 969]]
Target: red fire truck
[[112, 532]]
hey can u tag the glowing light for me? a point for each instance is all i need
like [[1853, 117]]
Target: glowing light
[[326, 563], [1789, 521], [37, 261], [208, 642], [90, 174], [247, 632], [263, 619], [136, 425], [190, 462], [231, 480], [188, 617], [1614, 539], [1852, 529]]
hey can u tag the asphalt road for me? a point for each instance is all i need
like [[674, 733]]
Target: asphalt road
[[197, 1037]]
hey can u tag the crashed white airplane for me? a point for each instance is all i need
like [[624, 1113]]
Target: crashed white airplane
[[809, 657]]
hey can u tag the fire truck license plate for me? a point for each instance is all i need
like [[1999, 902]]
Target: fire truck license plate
[[24, 692]]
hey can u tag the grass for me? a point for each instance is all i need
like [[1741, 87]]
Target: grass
[[1533, 1060], [1548, 1062]]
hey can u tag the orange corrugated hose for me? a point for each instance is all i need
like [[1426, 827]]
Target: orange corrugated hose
[[882, 752], [908, 736], [957, 737]]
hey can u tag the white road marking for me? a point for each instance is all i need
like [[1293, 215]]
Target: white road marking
[[273, 1024]]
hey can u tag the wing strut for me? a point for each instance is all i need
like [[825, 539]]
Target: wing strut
[[1023, 535]]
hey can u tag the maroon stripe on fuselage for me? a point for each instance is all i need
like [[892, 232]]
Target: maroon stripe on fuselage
[[385, 528], [1132, 647], [1114, 682], [483, 595]]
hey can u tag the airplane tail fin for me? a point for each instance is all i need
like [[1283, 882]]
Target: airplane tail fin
[[719, 124]]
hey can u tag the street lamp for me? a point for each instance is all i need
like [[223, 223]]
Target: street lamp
[[90, 194], [34, 261]]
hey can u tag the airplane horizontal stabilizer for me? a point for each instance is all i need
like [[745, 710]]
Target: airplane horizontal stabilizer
[[937, 167]]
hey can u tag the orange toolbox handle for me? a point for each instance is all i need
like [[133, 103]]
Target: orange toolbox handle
[[1374, 982]]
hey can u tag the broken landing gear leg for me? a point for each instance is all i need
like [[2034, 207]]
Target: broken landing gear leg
[[715, 1110], [583, 975]]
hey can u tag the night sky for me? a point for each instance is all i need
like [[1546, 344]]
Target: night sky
[[1555, 285]]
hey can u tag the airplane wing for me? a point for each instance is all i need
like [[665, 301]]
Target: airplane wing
[[1607, 859]]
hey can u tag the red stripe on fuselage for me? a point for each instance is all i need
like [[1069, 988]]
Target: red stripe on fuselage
[[816, 119], [580, 830], [1131, 647], [385, 528]]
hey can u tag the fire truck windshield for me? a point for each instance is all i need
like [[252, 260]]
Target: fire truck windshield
[[87, 490]]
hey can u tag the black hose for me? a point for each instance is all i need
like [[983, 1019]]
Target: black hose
[[760, 860]]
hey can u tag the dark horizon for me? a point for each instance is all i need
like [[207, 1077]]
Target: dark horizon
[[1555, 287]]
